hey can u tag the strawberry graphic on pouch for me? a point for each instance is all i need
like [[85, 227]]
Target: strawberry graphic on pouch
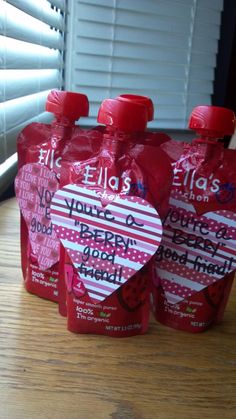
[[225, 193], [133, 293]]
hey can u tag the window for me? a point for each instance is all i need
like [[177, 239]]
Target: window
[[31, 64], [165, 49]]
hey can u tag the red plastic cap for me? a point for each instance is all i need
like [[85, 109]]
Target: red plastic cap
[[122, 115], [67, 105], [212, 121], [143, 100]]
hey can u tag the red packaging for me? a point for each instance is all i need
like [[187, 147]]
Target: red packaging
[[79, 149], [173, 149], [101, 214], [196, 262], [40, 148]]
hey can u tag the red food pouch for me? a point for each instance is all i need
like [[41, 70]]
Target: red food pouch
[[84, 143], [105, 214], [40, 148], [196, 261]]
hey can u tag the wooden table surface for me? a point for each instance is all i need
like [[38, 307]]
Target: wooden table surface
[[48, 372]]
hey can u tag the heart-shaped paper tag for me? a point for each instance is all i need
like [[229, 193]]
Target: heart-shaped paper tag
[[35, 186], [107, 245], [196, 250]]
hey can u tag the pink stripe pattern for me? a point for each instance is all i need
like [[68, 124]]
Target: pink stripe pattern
[[196, 250], [107, 245]]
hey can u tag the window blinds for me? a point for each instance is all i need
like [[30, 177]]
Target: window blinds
[[165, 49], [31, 63]]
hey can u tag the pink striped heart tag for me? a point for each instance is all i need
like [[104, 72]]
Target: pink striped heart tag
[[106, 244], [196, 250]]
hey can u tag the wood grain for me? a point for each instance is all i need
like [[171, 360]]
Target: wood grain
[[48, 372]]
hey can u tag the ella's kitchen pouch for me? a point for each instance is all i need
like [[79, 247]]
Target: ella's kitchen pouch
[[105, 214], [79, 149], [39, 149], [196, 261]]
